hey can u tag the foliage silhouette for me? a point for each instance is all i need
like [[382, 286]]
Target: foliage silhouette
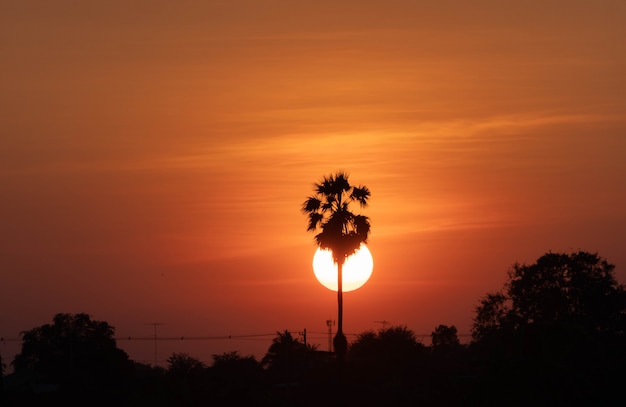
[[393, 349], [577, 288], [235, 366], [76, 353], [181, 365], [557, 329], [445, 339], [565, 347], [339, 230], [388, 367], [186, 377], [236, 379], [286, 357]]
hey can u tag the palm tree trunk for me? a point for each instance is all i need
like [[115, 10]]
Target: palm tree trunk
[[340, 297], [340, 343]]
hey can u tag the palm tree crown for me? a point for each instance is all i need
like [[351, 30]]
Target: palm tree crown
[[329, 212]]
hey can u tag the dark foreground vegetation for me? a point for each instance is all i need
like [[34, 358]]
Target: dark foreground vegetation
[[553, 336]]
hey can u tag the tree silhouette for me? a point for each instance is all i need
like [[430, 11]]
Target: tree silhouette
[[286, 356], [186, 376], [577, 288], [445, 339], [556, 331], [339, 230], [236, 379], [386, 366], [181, 364], [393, 348], [75, 352]]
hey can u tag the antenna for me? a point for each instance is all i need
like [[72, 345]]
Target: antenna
[[155, 324], [384, 322], [330, 323]]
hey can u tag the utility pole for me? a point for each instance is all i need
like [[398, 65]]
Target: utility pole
[[330, 323], [155, 324], [303, 333]]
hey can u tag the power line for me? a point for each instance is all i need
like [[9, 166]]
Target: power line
[[155, 324], [191, 338], [4, 340]]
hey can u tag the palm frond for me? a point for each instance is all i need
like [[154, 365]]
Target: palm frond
[[333, 185], [340, 230], [341, 181], [315, 219], [329, 202], [360, 194], [325, 187], [362, 226], [311, 204]]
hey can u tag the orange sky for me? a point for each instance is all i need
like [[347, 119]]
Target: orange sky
[[153, 158]]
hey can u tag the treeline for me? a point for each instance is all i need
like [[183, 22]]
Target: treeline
[[555, 334]]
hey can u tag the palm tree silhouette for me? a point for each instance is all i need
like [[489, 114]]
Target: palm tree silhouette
[[340, 231]]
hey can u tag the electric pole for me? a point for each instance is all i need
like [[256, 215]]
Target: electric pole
[[155, 324], [330, 323]]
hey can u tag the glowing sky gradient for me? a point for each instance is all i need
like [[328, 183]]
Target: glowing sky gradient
[[154, 157]]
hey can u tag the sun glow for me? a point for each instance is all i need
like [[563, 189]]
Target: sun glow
[[356, 270]]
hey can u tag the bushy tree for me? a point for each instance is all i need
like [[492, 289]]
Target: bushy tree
[[445, 339], [235, 368], [181, 364], [492, 316], [73, 351], [390, 348], [186, 377], [229, 360], [387, 366], [235, 379], [286, 356], [578, 289], [555, 334]]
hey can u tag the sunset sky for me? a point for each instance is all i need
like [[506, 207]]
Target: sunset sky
[[154, 157]]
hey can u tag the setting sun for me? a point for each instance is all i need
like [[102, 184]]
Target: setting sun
[[356, 270]]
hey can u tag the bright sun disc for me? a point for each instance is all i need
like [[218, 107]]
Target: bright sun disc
[[356, 270]]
